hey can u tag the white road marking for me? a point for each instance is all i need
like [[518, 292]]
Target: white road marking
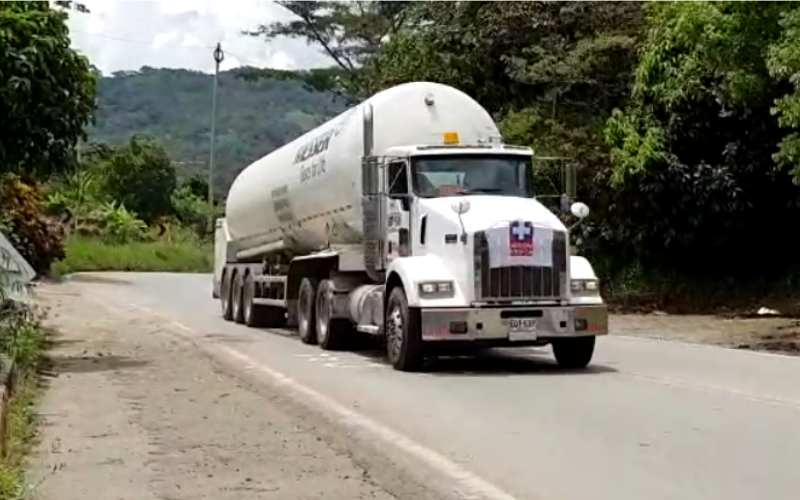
[[786, 403], [471, 486]]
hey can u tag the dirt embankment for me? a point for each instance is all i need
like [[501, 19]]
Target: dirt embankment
[[780, 335]]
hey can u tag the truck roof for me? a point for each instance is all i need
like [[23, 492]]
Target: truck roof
[[446, 149]]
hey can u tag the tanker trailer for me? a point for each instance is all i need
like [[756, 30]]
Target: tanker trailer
[[407, 218]]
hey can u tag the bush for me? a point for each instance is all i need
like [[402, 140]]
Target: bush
[[37, 237], [193, 211], [179, 254]]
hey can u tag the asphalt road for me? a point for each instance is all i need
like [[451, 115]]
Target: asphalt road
[[650, 420]]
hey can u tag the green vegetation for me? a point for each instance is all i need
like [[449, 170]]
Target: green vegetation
[[185, 255], [22, 347], [168, 228], [47, 90]]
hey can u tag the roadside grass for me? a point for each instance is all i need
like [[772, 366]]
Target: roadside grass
[[84, 253], [25, 342]]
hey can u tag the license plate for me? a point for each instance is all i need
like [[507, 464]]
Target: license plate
[[521, 329]]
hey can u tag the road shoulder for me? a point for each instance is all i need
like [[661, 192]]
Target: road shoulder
[[136, 413]]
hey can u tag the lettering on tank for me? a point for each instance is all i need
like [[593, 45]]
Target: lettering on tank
[[316, 169], [316, 148], [281, 204]]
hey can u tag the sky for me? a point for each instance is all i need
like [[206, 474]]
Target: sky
[[129, 34]]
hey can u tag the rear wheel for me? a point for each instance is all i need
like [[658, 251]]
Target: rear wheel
[[225, 297], [404, 347], [332, 333], [237, 290], [249, 314], [306, 317], [573, 353]]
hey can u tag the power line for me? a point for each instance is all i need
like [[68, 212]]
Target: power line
[[133, 40], [150, 43]]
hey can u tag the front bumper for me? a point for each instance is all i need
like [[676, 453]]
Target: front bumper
[[493, 324]]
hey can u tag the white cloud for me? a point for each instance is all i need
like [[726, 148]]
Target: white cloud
[[129, 34]]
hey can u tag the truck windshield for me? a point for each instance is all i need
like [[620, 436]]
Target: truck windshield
[[455, 175]]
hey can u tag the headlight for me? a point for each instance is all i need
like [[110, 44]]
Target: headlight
[[437, 289], [584, 286]]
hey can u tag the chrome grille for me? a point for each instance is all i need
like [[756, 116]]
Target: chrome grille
[[502, 284]]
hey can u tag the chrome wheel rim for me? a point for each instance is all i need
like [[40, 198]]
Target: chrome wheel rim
[[394, 333]]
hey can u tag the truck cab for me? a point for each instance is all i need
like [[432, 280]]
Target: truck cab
[[479, 259]]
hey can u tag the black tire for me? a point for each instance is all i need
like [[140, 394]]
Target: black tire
[[574, 353], [404, 348], [249, 314], [225, 297], [237, 290], [306, 311], [333, 334]]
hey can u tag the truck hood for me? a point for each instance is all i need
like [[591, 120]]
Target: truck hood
[[487, 211]]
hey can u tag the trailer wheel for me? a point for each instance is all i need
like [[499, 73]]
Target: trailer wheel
[[306, 317], [573, 353], [404, 347], [332, 333], [248, 308], [225, 297], [237, 290], [260, 316]]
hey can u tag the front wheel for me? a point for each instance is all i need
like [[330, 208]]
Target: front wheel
[[574, 353], [404, 348]]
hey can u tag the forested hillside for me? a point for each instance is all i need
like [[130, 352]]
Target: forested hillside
[[174, 107]]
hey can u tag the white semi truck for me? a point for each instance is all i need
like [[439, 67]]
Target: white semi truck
[[407, 218]]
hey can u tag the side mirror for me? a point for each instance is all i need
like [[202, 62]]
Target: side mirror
[[461, 206], [579, 210]]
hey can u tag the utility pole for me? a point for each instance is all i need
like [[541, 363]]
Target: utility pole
[[219, 56]]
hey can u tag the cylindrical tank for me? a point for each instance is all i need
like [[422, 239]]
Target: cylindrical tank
[[307, 193]]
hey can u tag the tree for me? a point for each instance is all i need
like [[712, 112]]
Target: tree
[[508, 55], [693, 151], [141, 177], [46, 92], [350, 33], [197, 186], [784, 64]]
